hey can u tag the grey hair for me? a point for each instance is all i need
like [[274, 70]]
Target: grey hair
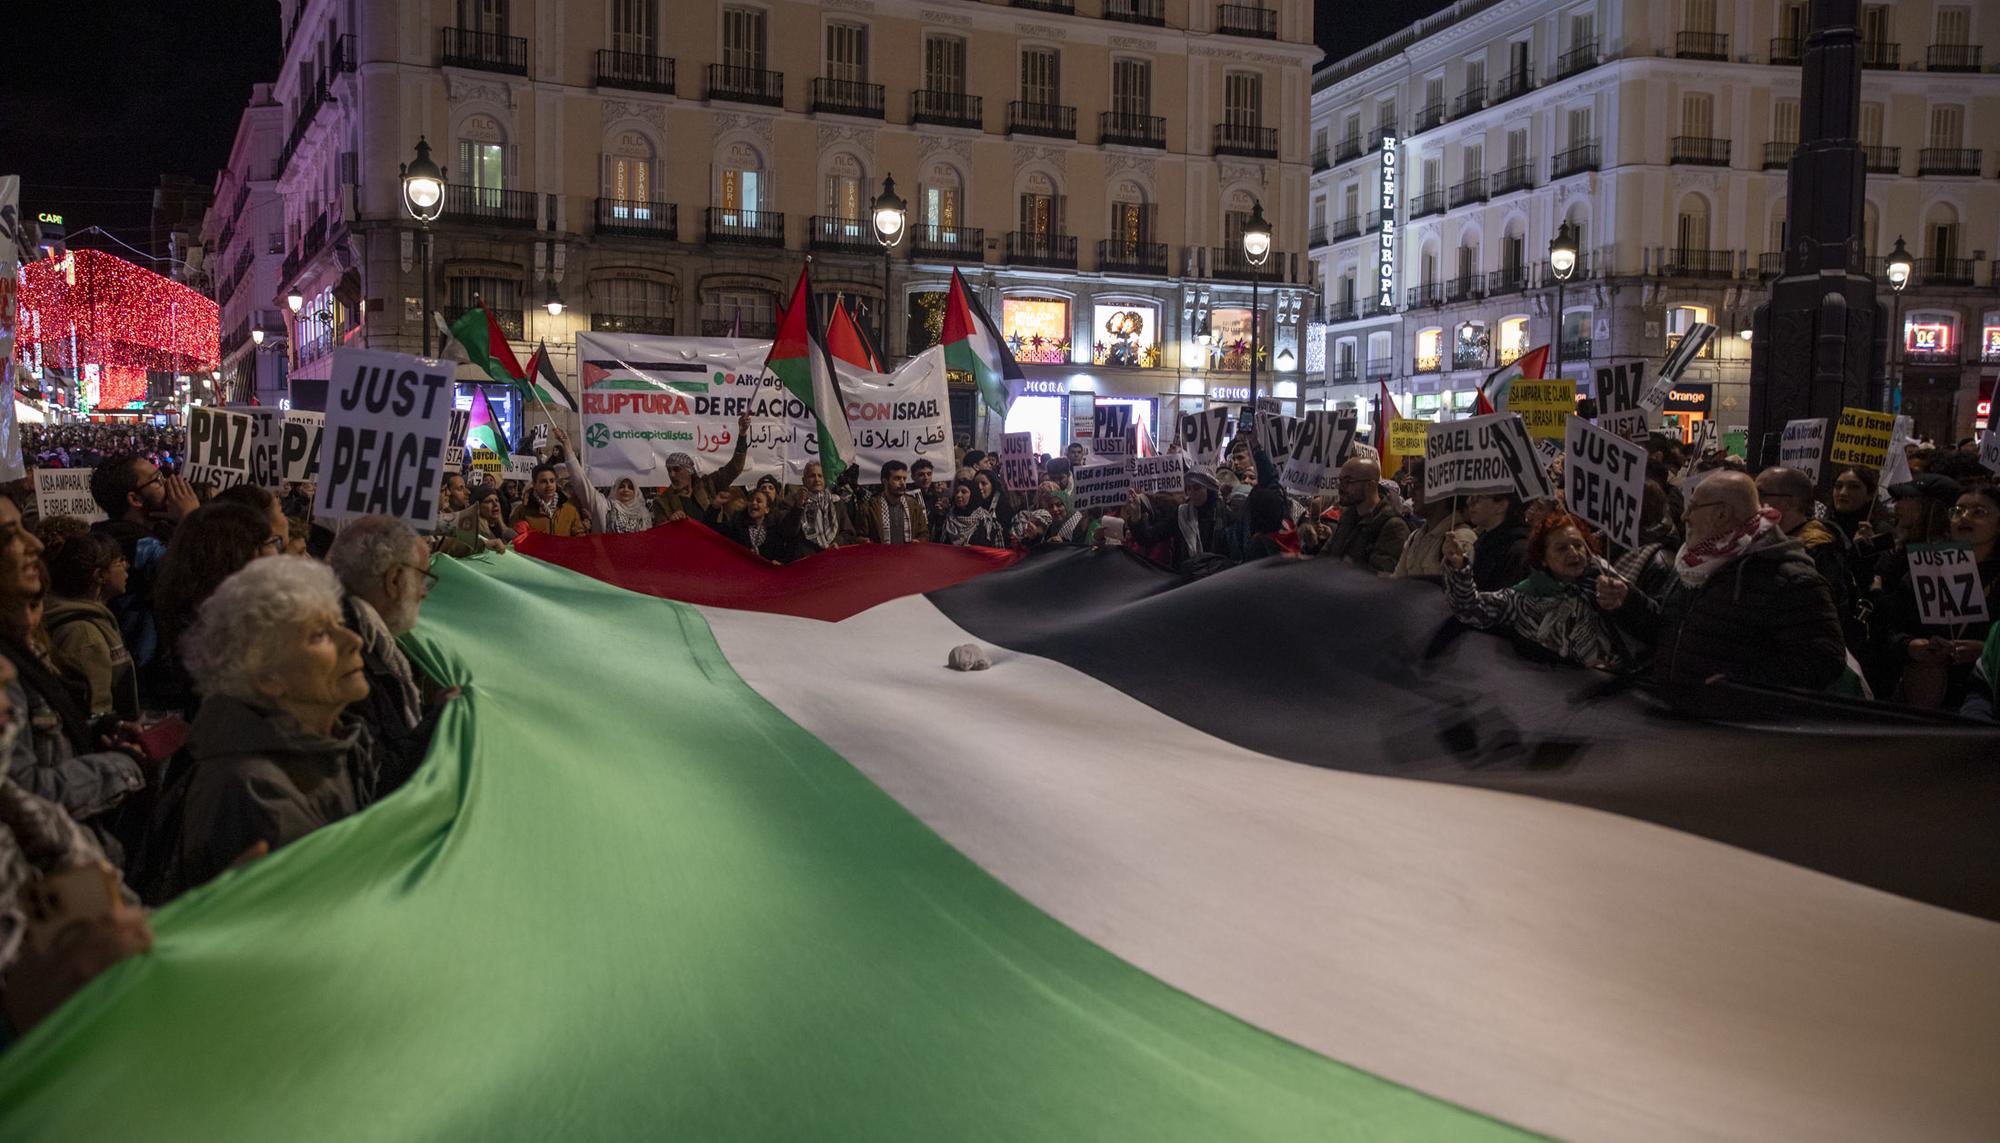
[[366, 549], [231, 645]]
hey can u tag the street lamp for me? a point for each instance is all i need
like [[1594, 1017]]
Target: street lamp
[[256, 337], [423, 198], [554, 302], [1898, 270], [1562, 263], [892, 218], [1256, 251], [295, 301]]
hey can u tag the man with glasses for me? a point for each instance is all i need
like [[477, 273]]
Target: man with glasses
[[141, 506], [384, 569], [1790, 491], [1369, 535], [1746, 603]]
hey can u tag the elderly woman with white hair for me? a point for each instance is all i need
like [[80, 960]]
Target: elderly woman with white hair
[[272, 756]]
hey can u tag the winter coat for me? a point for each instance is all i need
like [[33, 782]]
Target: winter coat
[[1562, 618], [792, 522], [255, 775], [55, 755], [1423, 554], [1896, 622], [773, 545], [698, 502], [1500, 558], [398, 728], [144, 548], [90, 654], [875, 519], [1766, 618], [1373, 541], [566, 521]]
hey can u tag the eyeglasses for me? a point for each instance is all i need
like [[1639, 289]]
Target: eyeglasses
[[1346, 481], [273, 544], [430, 580], [1692, 508], [1975, 512], [156, 478]]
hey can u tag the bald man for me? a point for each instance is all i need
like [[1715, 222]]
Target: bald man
[[1369, 534], [1746, 603]]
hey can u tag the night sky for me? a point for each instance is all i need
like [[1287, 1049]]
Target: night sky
[[101, 97]]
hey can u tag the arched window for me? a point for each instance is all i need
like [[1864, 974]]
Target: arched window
[[1041, 207], [943, 192], [739, 311], [1430, 350], [741, 175], [1691, 227], [630, 173], [844, 184], [483, 158], [633, 305], [1941, 237], [1131, 223], [1579, 222]]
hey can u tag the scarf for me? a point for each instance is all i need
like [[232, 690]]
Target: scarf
[[1189, 518], [547, 507], [960, 529], [756, 534], [1023, 521], [816, 519], [1697, 563], [622, 517]]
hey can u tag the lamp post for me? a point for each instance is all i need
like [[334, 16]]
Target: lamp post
[[423, 198], [1898, 270], [891, 222], [1256, 251], [1562, 263]]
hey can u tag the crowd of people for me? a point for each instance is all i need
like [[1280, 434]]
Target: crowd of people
[[206, 675]]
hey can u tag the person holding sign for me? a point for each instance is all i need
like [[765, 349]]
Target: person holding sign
[[1556, 607], [1936, 657], [689, 496]]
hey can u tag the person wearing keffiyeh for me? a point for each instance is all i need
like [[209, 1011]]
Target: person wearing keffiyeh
[[821, 519], [969, 522]]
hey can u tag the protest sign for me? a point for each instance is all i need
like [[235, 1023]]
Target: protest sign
[[1082, 418], [1201, 434], [1544, 406], [1861, 438], [1897, 470], [218, 447], [485, 460], [1621, 391], [1803, 446], [1111, 430], [1101, 485], [298, 450], [520, 466], [1017, 461], [1406, 438], [538, 438], [1270, 407], [904, 415], [645, 398], [1945, 578], [454, 449], [1318, 450], [388, 423], [266, 441], [1275, 434], [1604, 480], [1166, 473], [1989, 450], [1678, 359], [65, 492], [1486, 455]]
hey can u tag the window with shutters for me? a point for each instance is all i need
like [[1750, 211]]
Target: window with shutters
[[1517, 147], [1243, 99], [1954, 27], [482, 159], [743, 38], [1350, 129], [1698, 16], [944, 64], [1691, 228], [1319, 214], [1948, 126], [1041, 76], [485, 16], [847, 53], [1038, 215], [632, 26], [741, 181], [1871, 124], [1130, 225], [1434, 91], [751, 310], [1792, 24], [1514, 254], [1582, 30], [1579, 126], [1350, 201], [1468, 262], [1517, 60], [1698, 116], [1874, 30], [841, 197], [1475, 75], [1475, 162], [1785, 121], [501, 295], [632, 305], [1433, 174], [1385, 115], [1941, 240], [1131, 88]]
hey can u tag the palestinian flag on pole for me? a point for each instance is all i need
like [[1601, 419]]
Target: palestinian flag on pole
[[799, 360], [486, 346], [1493, 392], [543, 385], [1386, 411], [845, 341], [1134, 891], [972, 344], [483, 430]]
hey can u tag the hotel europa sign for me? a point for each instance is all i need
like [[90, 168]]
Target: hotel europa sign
[[1385, 298]]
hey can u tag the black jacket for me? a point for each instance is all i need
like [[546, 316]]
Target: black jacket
[[1500, 558], [1766, 618], [1374, 541]]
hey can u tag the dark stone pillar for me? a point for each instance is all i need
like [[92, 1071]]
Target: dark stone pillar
[[1816, 346]]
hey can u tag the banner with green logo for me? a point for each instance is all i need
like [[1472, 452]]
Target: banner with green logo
[[645, 398]]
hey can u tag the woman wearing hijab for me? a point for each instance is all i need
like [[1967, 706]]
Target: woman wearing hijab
[[627, 511], [971, 523], [994, 498]]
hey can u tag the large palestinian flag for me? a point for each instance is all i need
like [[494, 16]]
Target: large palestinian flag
[[1275, 855]]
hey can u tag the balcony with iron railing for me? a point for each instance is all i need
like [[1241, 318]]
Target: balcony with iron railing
[[1520, 176], [1119, 256], [1349, 227], [1322, 159], [1430, 362], [1245, 20], [1952, 57], [635, 71], [1579, 158], [1060, 7], [1506, 280], [948, 243], [1786, 52], [1230, 262], [1879, 55], [1464, 356], [1246, 139], [1342, 309], [733, 227], [1152, 12], [1041, 248], [1464, 288], [1428, 203], [1343, 373], [846, 97], [1701, 46], [482, 51], [638, 218], [1698, 263], [659, 324], [1379, 371], [1425, 294], [1883, 160], [1470, 100], [1576, 349], [1375, 219], [309, 110], [1316, 236], [1944, 271], [1469, 190], [1347, 149], [1513, 85], [849, 235], [1049, 120], [946, 109], [1778, 154], [1428, 116], [489, 205], [1580, 58], [1699, 151], [1128, 130], [1382, 135], [1770, 265], [746, 85], [1948, 161]]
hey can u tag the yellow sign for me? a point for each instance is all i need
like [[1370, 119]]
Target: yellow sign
[[1406, 437], [1544, 406], [486, 460], [1861, 438]]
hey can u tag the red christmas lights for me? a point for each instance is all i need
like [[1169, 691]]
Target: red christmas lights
[[91, 308]]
